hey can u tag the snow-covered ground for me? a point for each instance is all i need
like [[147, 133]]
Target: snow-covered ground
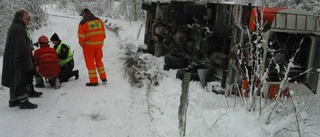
[[122, 109]]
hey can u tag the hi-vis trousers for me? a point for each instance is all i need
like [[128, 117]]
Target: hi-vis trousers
[[93, 58]]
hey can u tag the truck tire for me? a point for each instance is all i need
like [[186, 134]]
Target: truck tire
[[195, 9], [173, 62]]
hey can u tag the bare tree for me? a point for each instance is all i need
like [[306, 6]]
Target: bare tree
[[9, 7], [36, 11]]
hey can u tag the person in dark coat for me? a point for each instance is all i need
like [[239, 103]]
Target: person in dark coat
[[65, 56], [17, 61], [32, 73]]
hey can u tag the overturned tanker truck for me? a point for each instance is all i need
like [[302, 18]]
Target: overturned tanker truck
[[222, 42]]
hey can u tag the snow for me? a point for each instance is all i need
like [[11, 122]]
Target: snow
[[120, 109]]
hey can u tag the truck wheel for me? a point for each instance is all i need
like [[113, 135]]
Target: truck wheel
[[195, 9], [174, 62]]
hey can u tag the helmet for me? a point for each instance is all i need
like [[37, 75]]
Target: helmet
[[43, 39]]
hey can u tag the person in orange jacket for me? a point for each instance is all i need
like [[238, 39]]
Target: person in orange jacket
[[91, 34]]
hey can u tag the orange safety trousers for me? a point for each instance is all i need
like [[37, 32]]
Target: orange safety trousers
[[93, 58]]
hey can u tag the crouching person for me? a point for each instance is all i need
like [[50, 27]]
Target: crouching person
[[46, 61], [65, 56]]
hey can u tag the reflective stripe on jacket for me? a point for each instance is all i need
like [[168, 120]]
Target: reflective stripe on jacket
[[70, 54], [91, 31], [28, 35]]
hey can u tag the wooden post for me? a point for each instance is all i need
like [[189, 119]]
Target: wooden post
[[184, 101]]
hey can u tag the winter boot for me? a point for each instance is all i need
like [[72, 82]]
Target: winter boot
[[64, 80], [104, 80], [57, 83], [39, 85], [92, 84], [14, 103], [39, 82], [27, 105], [31, 92], [76, 74]]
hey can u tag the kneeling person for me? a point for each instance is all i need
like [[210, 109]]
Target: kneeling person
[[46, 61], [65, 56]]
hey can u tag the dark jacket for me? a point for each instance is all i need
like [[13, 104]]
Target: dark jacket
[[16, 57]]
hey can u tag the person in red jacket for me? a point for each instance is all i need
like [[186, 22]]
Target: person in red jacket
[[46, 61], [91, 35]]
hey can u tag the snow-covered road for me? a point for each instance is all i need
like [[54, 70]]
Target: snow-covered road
[[75, 110]]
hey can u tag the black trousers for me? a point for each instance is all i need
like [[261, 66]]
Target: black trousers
[[29, 76], [31, 73], [66, 71], [19, 93]]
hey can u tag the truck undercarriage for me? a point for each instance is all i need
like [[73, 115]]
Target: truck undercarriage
[[218, 42]]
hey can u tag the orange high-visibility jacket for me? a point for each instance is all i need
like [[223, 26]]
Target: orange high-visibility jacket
[[91, 32]]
